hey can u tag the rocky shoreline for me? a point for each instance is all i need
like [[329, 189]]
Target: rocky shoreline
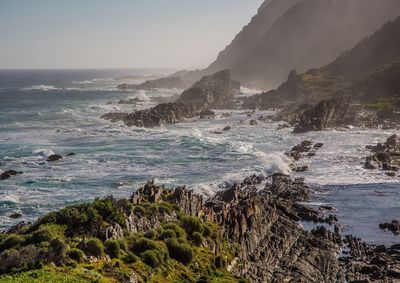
[[216, 91], [258, 217]]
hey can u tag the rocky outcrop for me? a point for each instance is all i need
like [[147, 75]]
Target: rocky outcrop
[[162, 114], [393, 226], [7, 174], [167, 82], [214, 91], [333, 113], [371, 263], [385, 156]]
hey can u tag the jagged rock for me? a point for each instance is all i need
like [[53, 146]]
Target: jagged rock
[[207, 114], [167, 82], [54, 157], [394, 226], [334, 113], [7, 174], [215, 91], [16, 215], [227, 128], [385, 156], [253, 122], [162, 114]]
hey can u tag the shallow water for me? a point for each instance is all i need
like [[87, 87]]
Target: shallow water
[[61, 115]]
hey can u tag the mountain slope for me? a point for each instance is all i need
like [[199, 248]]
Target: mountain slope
[[312, 34], [247, 39], [369, 71]]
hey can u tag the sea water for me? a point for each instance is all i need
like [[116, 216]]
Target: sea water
[[58, 111]]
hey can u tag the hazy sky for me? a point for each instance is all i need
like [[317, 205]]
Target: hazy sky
[[118, 33]]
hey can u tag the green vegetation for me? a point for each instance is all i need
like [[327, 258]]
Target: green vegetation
[[70, 246]]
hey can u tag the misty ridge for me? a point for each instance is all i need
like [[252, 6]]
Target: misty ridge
[[298, 35]]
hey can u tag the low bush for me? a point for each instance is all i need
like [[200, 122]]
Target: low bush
[[151, 234], [197, 238], [219, 262], [123, 245], [181, 252], [112, 248], [76, 254], [180, 233], [141, 245], [94, 247], [12, 241], [152, 258], [166, 234], [192, 224], [130, 258]]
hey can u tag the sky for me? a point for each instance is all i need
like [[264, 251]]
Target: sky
[[118, 33]]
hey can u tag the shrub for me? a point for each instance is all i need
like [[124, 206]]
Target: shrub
[[94, 247], [30, 255], [58, 250], [10, 259], [197, 238], [151, 234], [76, 254], [112, 248], [143, 244], [125, 205], [44, 234], [207, 231], [123, 245], [152, 258], [139, 210], [220, 262], [130, 258], [180, 233], [181, 252], [109, 211], [192, 224], [166, 234], [11, 241], [164, 208]]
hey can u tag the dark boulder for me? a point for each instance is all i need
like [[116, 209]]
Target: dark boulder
[[53, 157], [214, 91]]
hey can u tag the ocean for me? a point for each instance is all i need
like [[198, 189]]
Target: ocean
[[58, 111]]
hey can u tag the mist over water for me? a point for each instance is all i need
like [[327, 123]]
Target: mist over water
[[62, 115]]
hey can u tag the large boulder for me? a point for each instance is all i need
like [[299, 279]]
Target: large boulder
[[337, 112], [215, 91]]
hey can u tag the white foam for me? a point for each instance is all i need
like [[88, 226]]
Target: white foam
[[41, 87], [44, 153]]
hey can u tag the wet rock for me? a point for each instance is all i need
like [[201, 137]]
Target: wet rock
[[227, 128], [394, 226], [216, 91], [301, 168], [332, 113], [15, 215], [391, 174], [53, 157], [385, 156], [71, 154], [162, 114], [167, 82], [253, 122], [7, 174], [207, 114]]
